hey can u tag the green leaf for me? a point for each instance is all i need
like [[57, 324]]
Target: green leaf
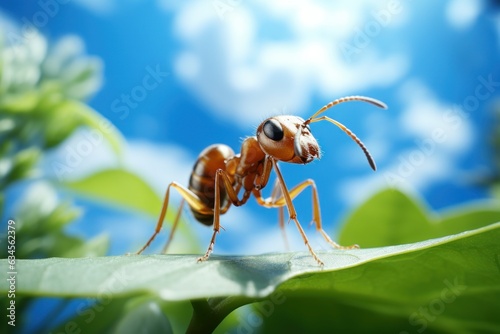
[[24, 102], [456, 277], [94, 120], [90, 317], [83, 77], [97, 246], [82, 115], [94, 316], [391, 217], [20, 166], [120, 187], [467, 217], [144, 318], [60, 125], [451, 288]]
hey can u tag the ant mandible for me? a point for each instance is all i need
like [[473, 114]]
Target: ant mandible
[[219, 175]]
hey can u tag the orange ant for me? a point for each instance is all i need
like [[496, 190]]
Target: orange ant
[[219, 174]]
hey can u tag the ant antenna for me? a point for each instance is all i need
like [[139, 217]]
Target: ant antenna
[[375, 102]]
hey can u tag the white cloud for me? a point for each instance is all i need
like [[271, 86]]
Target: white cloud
[[436, 142], [462, 13], [242, 75], [159, 164], [425, 115]]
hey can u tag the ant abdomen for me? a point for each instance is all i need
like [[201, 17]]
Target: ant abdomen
[[202, 180]]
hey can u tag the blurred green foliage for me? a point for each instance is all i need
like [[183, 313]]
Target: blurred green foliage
[[42, 91], [42, 94], [391, 217]]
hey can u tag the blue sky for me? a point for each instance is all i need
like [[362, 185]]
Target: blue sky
[[179, 77]]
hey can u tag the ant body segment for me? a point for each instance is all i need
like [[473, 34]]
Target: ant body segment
[[219, 175]]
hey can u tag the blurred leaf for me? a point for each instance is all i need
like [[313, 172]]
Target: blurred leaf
[[81, 78], [40, 222], [94, 120], [120, 187], [52, 95], [391, 217], [62, 215], [7, 124], [94, 247], [41, 212], [450, 284], [62, 54], [95, 315], [80, 114], [60, 125], [20, 64], [103, 314], [49, 244], [24, 102], [467, 217], [22, 165], [144, 318], [59, 244], [495, 190]]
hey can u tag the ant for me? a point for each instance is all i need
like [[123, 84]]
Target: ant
[[219, 174]]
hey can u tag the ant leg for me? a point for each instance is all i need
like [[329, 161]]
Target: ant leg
[[216, 219], [193, 201], [292, 213], [316, 209], [280, 203], [317, 217], [221, 177], [276, 194], [174, 227], [281, 218]]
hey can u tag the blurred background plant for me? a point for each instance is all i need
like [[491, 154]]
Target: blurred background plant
[[41, 104], [42, 94]]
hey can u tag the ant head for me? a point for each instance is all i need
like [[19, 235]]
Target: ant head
[[288, 139]]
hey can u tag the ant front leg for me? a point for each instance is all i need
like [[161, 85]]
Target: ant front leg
[[286, 199], [291, 209], [316, 211], [294, 192]]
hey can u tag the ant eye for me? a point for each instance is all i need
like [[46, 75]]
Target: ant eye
[[273, 130]]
